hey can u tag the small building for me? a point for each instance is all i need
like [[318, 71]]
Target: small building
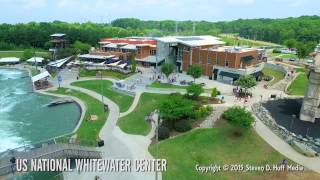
[[173, 49], [40, 81], [58, 40], [144, 49], [9, 60], [37, 61]]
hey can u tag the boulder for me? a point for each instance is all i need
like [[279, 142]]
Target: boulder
[[303, 149]]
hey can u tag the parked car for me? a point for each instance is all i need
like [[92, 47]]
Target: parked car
[[292, 59]]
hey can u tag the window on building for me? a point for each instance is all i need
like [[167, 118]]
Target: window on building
[[179, 54], [209, 60], [218, 61], [153, 52], [139, 50], [200, 61], [227, 63]]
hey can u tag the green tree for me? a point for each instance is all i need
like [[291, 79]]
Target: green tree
[[81, 48], [246, 82], [290, 43], [195, 71], [195, 90], [65, 52], [167, 69], [27, 54], [239, 117], [133, 64], [175, 108], [301, 51]]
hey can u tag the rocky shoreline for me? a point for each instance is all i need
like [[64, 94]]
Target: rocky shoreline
[[308, 145]]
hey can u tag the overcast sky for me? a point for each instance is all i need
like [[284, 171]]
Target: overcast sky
[[14, 11]]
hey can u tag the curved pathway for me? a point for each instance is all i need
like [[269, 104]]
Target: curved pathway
[[118, 145], [121, 145]]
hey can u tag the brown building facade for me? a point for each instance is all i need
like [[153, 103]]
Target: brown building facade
[[227, 57]]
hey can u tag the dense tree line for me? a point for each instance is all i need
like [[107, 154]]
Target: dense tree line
[[38, 34], [301, 31]]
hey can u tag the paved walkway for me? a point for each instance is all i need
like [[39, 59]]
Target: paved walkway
[[118, 145], [121, 145]]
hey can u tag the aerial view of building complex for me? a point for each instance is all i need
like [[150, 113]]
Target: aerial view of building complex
[[158, 89]]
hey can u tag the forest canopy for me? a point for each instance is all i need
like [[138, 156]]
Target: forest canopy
[[304, 29]]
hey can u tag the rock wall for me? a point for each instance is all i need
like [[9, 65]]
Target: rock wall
[[310, 109]]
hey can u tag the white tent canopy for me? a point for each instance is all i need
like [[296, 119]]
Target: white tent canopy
[[111, 45], [42, 75], [122, 65], [60, 62], [129, 47], [35, 59], [114, 64], [91, 56], [9, 60]]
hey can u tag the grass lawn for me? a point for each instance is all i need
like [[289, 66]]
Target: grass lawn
[[232, 40], [134, 123], [124, 101], [281, 55], [288, 56], [299, 85], [17, 54], [166, 85], [88, 132], [219, 146], [277, 75], [34, 71], [105, 73]]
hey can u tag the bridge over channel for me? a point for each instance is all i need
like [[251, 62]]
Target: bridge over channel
[[49, 150]]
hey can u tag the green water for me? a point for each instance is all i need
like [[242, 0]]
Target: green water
[[24, 116]]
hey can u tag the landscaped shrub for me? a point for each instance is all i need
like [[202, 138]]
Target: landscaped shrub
[[203, 111], [194, 90], [176, 107], [214, 92], [239, 117], [163, 132], [276, 51], [182, 126], [209, 108]]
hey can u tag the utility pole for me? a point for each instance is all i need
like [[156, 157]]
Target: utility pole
[[100, 72], [193, 28], [176, 28], [34, 56], [157, 138]]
